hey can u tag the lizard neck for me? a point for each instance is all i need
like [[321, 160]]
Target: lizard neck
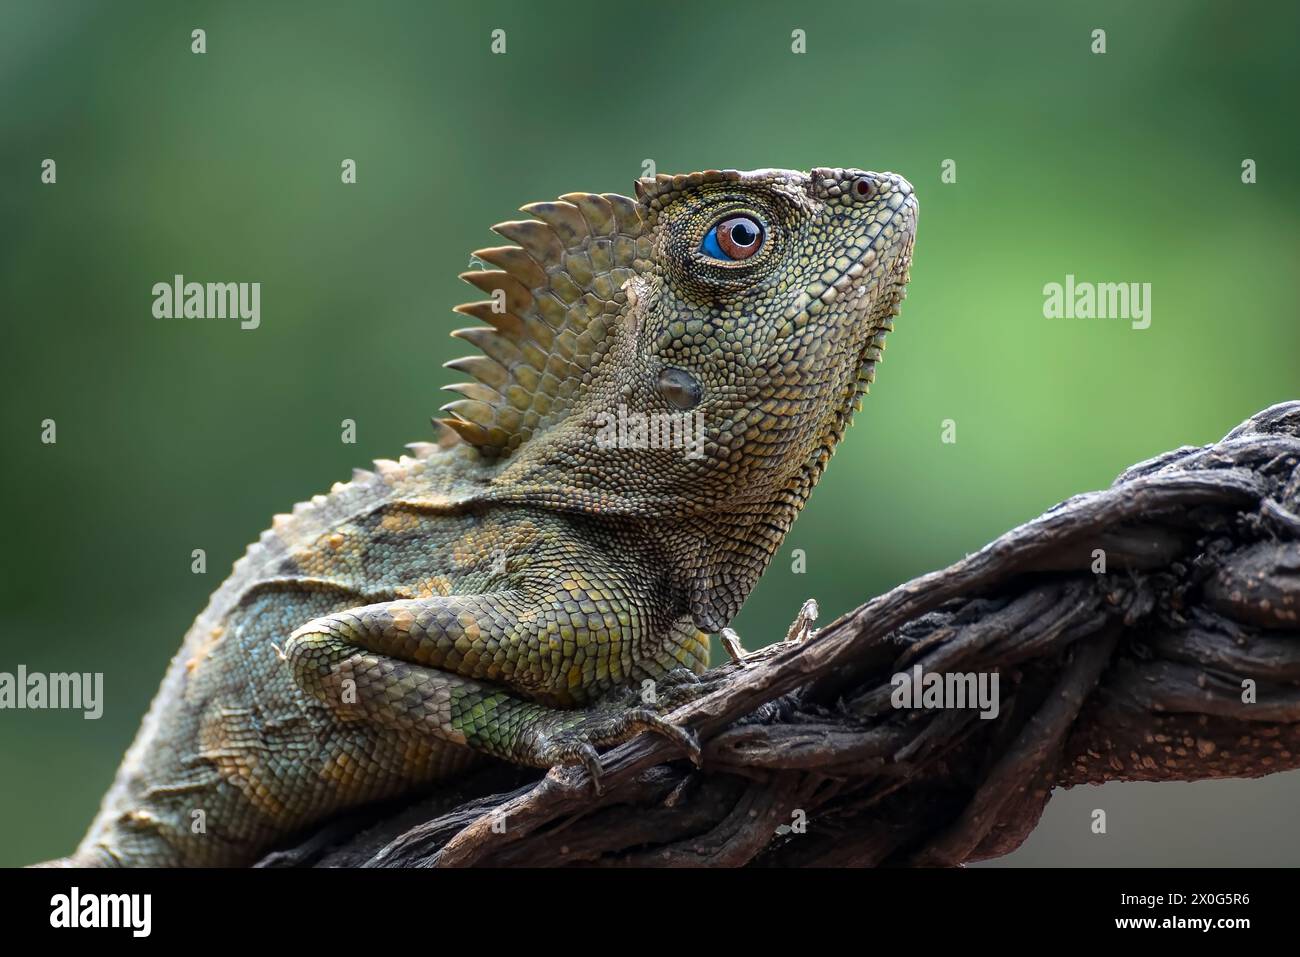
[[733, 545]]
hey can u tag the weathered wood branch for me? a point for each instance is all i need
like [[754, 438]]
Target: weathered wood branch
[[1147, 632]]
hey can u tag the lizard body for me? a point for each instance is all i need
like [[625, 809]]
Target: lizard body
[[493, 593]]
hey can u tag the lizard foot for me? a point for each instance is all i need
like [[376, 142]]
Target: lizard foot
[[800, 630], [666, 693], [681, 686], [577, 743]]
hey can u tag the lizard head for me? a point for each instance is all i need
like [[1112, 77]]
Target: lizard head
[[766, 312], [694, 354]]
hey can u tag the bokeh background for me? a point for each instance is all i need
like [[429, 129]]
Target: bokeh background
[[175, 435]]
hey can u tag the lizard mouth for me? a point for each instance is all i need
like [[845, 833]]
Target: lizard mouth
[[876, 313], [882, 307]]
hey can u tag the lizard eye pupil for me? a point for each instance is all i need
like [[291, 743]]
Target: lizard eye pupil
[[742, 234], [735, 238]]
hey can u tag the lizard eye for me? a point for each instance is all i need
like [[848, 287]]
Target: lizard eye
[[735, 238]]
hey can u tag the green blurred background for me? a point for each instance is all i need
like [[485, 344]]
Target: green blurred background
[[175, 435]]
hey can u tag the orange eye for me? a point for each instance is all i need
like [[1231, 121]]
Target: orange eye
[[735, 238]]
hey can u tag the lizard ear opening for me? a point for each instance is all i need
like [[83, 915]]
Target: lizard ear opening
[[679, 389], [555, 297]]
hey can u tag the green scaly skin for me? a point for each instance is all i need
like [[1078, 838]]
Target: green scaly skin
[[497, 593]]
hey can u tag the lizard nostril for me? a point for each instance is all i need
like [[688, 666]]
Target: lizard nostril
[[864, 188]]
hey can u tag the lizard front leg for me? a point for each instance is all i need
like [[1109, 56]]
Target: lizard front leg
[[417, 666]]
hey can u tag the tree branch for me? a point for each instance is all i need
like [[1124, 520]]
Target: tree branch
[[1150, 631]]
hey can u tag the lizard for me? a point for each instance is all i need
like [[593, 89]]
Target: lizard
[[497, 592]]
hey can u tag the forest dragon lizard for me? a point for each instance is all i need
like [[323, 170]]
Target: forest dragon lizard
[[496, 592]]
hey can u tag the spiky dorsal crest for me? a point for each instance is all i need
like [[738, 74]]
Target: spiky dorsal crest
[[555, 296]]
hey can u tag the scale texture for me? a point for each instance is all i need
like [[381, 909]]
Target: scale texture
[[513, 589]]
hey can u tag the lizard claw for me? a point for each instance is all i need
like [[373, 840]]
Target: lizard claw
[[683, 737], [735, 650], [568, 754], [801, 628]]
